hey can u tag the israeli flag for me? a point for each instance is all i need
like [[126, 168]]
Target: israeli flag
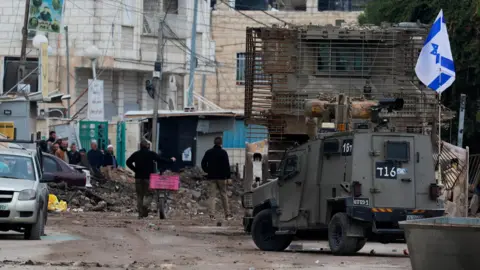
[[435, 67]]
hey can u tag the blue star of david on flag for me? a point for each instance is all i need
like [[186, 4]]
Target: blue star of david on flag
[[435, 67]]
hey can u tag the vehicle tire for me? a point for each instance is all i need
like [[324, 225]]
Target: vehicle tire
[[360, 244], [339, 242], [263, 233], [34, 231]]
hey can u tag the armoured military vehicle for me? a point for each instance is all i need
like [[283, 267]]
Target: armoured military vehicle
[[357, 185]]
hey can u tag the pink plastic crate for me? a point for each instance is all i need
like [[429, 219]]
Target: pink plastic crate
[[165, 182]]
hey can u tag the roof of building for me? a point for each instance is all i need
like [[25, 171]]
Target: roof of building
[[167, 113]]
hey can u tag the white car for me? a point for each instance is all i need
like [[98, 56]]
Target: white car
[[23, 193]]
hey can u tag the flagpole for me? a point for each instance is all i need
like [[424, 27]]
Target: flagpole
[[440, 128]]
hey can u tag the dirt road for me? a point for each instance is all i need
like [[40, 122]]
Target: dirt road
[[105, 241]]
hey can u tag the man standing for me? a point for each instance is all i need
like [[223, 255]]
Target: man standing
[[62, 152], [52, 137], [142, 163], [95, 159], [74, 156], [84, 159], [217, 166], [54, 148], [109, 162]]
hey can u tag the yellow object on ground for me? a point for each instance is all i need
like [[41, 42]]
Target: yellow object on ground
[[55, 205]]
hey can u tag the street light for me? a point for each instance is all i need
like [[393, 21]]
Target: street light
[[93, 53], [38, 40]]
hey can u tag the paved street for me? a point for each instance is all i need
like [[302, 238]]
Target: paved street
[[103, 241]]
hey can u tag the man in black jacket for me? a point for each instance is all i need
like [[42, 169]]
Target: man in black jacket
[[217, 166], [73, 155], [95, 159], [142, 163]]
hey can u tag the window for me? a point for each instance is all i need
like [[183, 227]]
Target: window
[[50, 165], [259, 75], [37, 166], [342, 5], [290, 165], [170, 6], [10, 70], [330, 146], [17, 167], [342, 58], [397, 151]]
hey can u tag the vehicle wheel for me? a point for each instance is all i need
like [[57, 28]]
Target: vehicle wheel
[[34, 231], [339, 242], [360, 244], [263, 233]]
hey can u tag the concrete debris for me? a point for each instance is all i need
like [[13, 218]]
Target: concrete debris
[[118, 195]]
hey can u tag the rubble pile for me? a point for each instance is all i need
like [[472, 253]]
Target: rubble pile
[[118, 195]]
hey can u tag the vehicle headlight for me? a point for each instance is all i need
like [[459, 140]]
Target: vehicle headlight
[[27, 195]]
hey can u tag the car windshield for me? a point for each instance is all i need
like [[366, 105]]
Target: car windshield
[[16, 167]]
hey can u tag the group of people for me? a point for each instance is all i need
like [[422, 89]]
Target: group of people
[[95, 159], [215, 164], [145, 162]]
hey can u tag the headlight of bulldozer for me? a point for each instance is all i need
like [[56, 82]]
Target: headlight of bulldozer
[[247, 200], [27, 195]]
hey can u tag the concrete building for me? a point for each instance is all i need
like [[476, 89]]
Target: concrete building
[[229, 22], [226, 88], [125, 32]]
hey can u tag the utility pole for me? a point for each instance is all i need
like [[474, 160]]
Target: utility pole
[[157, 81], [23, 53], [193, 55], [68, 70]]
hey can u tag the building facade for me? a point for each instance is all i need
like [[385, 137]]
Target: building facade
[[230, 20], [126, 35]]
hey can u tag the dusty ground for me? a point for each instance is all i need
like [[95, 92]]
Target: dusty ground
[[114, 241]]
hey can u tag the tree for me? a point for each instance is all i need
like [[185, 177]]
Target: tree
[[463, 18]]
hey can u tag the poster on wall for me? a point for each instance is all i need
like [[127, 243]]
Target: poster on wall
[[45, 15], [96, 106]]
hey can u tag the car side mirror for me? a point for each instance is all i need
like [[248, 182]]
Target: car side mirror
[[47, 178]]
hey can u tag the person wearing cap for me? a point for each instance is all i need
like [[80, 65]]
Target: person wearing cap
[[95, 158], [142, 163], [109, 162]]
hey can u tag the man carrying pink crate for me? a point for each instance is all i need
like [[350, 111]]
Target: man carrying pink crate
[[142, 163]]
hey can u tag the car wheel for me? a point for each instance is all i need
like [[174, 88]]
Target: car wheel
[[34, 231], [263, 233], [339, 242]]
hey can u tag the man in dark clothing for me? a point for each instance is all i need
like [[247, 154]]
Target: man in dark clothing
[[95, 159], [52, 137], [84, 159], [142, 163], [73, 155], [109, 162], [217, 166], [109, 158]]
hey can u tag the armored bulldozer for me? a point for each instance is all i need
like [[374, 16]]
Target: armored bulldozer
[[356, 185]]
